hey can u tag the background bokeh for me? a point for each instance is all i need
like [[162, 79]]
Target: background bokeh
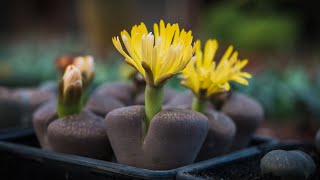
[[281, 38]]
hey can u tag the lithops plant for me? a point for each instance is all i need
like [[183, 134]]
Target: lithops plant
[[288, 164], [147, 136], [33, 97], [182, 100], [210, 80], [220, 135], [246, 113], [65, 126], [121, 92], [41, 119]]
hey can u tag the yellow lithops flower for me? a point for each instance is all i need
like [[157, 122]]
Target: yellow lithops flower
[[230, 63], [205, 77], [159, 55]]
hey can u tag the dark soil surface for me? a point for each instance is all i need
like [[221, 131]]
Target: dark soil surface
[[249, 169]]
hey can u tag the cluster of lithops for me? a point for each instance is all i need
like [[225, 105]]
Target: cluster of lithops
[[150, 126]]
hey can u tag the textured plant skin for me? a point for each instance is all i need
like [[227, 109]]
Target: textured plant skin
[[173, 139], [42, 117], [184, 100], [247, 114], [102, 105], [221, 132], [294, 164], [122, 91], [80, 134]]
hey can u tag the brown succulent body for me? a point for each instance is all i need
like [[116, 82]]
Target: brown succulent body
[[221, 132], [247, 114], [173, 139], [79, 134]]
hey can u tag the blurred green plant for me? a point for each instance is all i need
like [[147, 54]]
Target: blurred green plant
[[30, 62], [253, 29], [286, 94], [108, 71]]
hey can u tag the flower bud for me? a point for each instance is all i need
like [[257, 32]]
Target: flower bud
[[86, 66], [72, 81]]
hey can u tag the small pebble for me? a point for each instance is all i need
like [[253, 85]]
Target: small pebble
[[288, 164]]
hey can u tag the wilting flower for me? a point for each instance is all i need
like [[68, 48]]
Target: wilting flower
[[86, 66], [157, 56], [72, 82], [205, 77]]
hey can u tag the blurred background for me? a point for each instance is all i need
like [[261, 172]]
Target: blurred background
[[281, 38]]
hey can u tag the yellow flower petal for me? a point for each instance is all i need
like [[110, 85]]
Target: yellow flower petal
[[203, 74], [165, 53], [209, 52], [240, 80]]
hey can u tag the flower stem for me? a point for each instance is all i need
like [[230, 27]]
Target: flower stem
[[70, 103], [84, 97], [65, 109], [198, 104], [153, 102]]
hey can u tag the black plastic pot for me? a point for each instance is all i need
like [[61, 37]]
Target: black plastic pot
[[21, 158], [244, 165]]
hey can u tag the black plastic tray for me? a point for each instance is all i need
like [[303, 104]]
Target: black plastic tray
[[21, 158], [224, 165]]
